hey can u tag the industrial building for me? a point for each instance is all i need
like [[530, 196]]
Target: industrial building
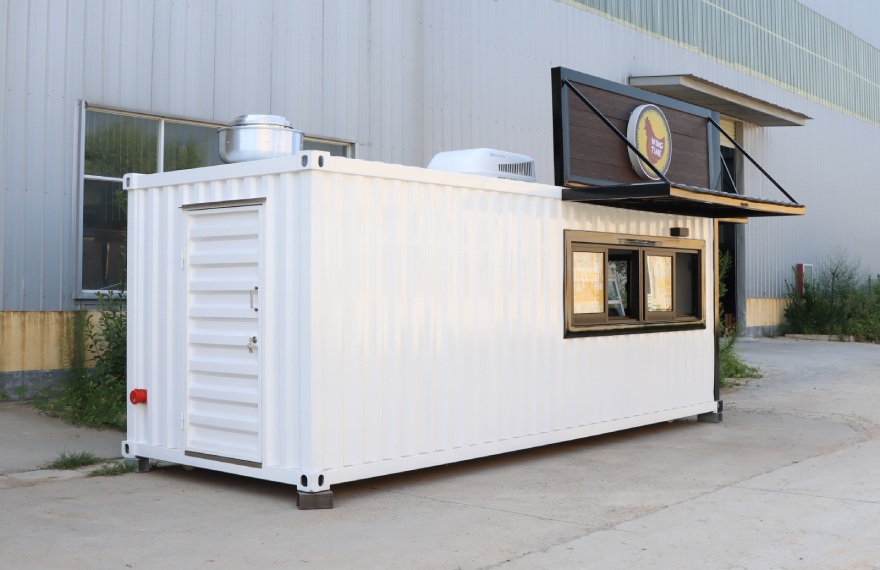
[[95, 89]]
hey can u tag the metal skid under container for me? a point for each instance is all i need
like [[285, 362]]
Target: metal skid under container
[[313, 320]]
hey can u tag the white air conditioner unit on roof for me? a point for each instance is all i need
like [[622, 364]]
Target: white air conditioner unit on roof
[[486, 162]]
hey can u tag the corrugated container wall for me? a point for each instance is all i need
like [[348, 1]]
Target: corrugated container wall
[[404, 80], [409, 318]]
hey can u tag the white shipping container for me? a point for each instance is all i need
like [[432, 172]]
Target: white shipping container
[[313, 320]]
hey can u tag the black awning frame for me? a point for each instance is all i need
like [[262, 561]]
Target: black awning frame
[[666, 196]]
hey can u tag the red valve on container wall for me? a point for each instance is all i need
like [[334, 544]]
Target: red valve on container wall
[[138, 396]]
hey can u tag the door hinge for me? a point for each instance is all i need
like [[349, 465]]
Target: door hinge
[[183, 260], [182, 421]]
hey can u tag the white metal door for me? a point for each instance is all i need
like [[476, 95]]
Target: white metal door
[[223, 400]]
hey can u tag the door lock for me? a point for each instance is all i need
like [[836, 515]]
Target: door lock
[[252, 344]]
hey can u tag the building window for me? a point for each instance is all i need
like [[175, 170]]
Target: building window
[[115, 143], [624, 283]]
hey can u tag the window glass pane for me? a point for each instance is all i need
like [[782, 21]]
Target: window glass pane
[[623, 283], [117, 144], [335, 149], [104, 233], [687, 284], [190, 146], [658, 285], [588, 282]]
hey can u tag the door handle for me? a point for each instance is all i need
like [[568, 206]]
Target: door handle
[[253, 293]]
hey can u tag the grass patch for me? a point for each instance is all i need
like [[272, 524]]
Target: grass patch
[[73, 460], [109, 469]]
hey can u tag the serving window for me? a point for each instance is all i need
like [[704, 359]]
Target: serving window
[[619, 283]]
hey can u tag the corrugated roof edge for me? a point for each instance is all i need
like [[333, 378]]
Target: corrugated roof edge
[[319, 160]]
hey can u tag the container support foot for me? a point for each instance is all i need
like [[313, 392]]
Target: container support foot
[[137, 464], [713, 417], [308, 501]]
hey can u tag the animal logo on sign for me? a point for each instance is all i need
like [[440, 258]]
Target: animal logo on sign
[[656, 145], [649, 131]]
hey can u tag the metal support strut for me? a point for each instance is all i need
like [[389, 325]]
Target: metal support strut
[[752, 160]]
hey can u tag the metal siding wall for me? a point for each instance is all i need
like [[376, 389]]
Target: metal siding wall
[[789, 154], [136, 61], [183, 61], [243, 60], [781, 42], [35, 147], [405, 80], [297, 62], [58, 195], [395, 83], [486, 78], [5, 258], [35, 155], [823, 165], [857, 16], [15, 88]]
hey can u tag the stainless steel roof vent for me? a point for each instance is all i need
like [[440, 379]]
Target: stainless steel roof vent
[[255, 137]]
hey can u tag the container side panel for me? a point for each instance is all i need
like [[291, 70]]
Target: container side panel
[[352, 308], [404, 316], [376, 313], [137, 351], [170, 276], [461, 339], [281, 321]]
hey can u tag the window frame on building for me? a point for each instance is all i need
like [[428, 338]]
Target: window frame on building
[[81, 292], [631, 310]]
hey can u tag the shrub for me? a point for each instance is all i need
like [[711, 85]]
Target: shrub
[[94, 396], [841, 300]]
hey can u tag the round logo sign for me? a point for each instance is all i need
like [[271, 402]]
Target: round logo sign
[[649, 132]]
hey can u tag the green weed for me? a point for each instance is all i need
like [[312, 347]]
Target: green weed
[[73, 460], [730, 363]]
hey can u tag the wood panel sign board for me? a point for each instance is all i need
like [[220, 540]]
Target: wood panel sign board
[[595, 163]]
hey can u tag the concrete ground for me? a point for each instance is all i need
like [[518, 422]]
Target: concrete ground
[[791, 479], [30, 439]]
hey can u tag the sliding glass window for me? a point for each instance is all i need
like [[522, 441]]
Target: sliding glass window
[[618, 283]]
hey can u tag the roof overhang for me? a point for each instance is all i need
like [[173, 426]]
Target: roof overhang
[[686, 200], [698, 91], [593, 163]]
